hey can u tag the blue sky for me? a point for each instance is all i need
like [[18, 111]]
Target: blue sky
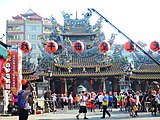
[[138, 19]]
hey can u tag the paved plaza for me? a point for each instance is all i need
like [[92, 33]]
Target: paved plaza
[[71, 115]]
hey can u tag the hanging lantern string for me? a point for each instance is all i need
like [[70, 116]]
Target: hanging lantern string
[[92, 9]]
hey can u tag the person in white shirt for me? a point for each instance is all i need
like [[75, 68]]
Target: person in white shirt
[[70, 101], [100, 100], [54, 102], [83, 101]]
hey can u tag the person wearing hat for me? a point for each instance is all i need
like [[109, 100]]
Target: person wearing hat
[[82, 108]]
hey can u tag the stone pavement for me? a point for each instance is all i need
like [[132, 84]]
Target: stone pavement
[[71, 115]]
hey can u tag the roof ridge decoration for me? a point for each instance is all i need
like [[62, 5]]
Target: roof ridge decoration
[[30, 11], [67, 52]]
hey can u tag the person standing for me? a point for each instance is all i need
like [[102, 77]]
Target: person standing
[[61, 101], [100, 100], [76, 101], [82, 108], [54, 102], [120, 100], [70, 101], [105, 105], [110, 98], [115, 99], [153, 103], [27, 89], [65, 102]]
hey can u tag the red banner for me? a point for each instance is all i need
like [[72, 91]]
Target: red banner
[[14, 69], [14, 83]]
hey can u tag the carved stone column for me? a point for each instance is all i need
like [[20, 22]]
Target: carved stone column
[[65, 86], [104, 85]]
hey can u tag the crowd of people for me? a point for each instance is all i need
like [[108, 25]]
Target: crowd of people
[[128, 101]]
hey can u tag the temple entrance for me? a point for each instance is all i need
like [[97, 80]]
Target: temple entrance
[[57, 86]]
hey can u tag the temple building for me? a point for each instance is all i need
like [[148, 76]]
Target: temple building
[[65, 70], [95, 70]]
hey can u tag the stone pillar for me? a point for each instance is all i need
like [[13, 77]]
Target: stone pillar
[[115, 85], [104, 85], [65, 86]]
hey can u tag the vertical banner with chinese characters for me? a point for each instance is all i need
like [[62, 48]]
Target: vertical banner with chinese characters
[[15, 68]]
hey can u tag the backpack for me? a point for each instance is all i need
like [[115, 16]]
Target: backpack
[[65, 102], [20, 102], [105, 99]]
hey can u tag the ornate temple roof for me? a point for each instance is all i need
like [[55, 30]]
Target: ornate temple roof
[[83, 62], [147, 72], [110, 70], [31, 15], [18, 17], [148, 68]]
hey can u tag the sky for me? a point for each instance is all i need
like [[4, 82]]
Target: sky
[[138, 19]]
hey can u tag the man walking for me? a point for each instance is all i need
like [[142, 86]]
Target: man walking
[[83, 101], [105, 104]]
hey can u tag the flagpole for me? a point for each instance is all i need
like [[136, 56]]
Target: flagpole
[[92, 9]]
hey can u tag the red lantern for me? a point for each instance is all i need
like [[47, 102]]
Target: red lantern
[[23, 81], [129, 46], [104, 46], [25, 46], [154, 46], [51, 46], [78, 46]]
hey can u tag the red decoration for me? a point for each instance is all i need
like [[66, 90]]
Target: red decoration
[[25, 46], [2, 60], [23, 81], [154, 46], [78, 46], [4, 70], [129, 46], [39, 112], [91, 82], [104, 46], [4, 81], [51, 46]]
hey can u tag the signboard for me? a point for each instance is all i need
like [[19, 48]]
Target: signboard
[[14, 68]]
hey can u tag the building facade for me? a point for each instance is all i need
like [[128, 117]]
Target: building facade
[[28, 27]]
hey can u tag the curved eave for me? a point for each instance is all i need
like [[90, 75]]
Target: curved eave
[[87, 74], [27, 72], [145, 77], [32, 79], [146, 71], [75, 34], [42, 74], [82, 66]]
